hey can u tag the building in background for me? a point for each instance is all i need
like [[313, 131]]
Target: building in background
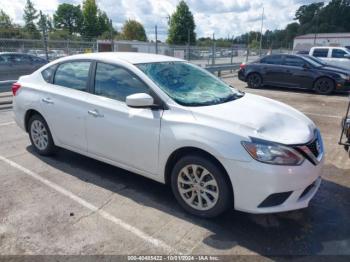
[[305, 42]]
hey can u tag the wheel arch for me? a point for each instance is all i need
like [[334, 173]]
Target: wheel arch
[[28, 115], [183, 151]]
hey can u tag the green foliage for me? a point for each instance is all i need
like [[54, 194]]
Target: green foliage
[[133, 30], [30, 16], [45, 23], [90, 20], [181, 25], [5, 20], [68, 17]]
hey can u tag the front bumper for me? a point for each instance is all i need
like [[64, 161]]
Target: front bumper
[[342, 85], [254, 182]]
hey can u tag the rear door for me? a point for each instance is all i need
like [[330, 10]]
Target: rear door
[[7, 71], [64, 103], [22, 64], [321, 53]]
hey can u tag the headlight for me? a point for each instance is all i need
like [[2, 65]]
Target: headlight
[[345, 77], [271, 153]]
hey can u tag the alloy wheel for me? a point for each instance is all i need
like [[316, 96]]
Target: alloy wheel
[[39, 135], [254, 81], [198, 187]]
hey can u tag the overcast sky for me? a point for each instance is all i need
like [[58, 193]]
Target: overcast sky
[[222, 17]]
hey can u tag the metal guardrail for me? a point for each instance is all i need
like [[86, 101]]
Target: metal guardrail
[[223, 67]]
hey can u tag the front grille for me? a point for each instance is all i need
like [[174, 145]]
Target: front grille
[[312, 151], [314, 148]]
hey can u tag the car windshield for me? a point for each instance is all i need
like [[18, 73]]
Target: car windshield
[[188, 84]]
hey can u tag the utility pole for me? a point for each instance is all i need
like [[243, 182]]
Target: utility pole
[[261, 35], [246, 59], [316, 31], [213, 51], [156, 33], [188, 43], [112, 34], [232, 49], [44, 32]]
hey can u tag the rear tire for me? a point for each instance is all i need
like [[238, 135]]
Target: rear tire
[[254, 80], [40, 136], [201, 187], [324, 86]]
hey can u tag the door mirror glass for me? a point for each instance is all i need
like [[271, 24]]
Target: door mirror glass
[[139, 100]]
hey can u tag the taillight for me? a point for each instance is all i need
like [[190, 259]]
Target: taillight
[[242, 66], [15, 88]]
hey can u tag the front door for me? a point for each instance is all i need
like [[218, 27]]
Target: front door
[[128, 136]]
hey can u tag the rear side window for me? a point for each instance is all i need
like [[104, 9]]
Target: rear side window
[[21, 59], [48, 73], [273, 60], [320, 52], [294, 61], [73, 75], [117, 83], [338, 53]]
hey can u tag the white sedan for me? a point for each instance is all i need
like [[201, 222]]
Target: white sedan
[[173, 122]]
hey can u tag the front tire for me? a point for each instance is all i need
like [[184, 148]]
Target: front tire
[[254, 80], [324, 86], [200, 186], [40, 136]]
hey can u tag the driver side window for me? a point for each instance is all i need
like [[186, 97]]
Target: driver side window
[[117, 83]]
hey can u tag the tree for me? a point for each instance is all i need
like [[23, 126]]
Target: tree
[[181, 26], [90, 20], [306, 13], [44, 22], [5, 20], [133, 30], [103, 22], [30, 16], [68, 17]]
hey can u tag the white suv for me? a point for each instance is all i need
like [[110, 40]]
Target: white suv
[[173, 122], [337, 56]]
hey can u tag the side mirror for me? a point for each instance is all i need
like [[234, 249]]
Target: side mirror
[[139, 100], [306, 66], [347, 56]]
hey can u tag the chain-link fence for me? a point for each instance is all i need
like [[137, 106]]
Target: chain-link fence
[[203, 56]]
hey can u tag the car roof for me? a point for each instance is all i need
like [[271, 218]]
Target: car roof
[[12, 53], [129, 57]]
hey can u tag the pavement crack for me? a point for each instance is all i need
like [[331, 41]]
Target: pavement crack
[[95, 211]]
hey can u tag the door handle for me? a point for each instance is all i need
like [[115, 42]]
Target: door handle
[[94, 113], [47, 101]]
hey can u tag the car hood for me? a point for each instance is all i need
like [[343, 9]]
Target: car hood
[[336, 69], [258, 117]]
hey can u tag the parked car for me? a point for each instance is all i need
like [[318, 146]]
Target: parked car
[[14, 65], [38, 53], [176, 123], [296, 71], [338, 56]]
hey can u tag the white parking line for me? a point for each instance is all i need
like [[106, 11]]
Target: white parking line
[[322, 115], [144, 236], [7, 123]]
